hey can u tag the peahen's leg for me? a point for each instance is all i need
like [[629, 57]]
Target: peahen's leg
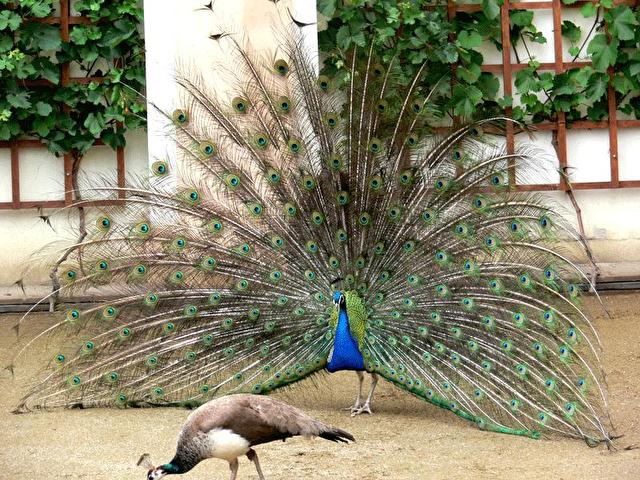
[[233, 466], [366, 408], [357, 405], [253, 456]]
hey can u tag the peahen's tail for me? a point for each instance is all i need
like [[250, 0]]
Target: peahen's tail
[[222, 276], [337, 435]]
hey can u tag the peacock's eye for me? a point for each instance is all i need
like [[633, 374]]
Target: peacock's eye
[[282, 67]]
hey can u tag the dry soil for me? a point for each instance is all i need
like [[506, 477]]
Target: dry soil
[[405, 438]]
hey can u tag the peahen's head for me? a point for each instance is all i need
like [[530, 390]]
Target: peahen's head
[[156, 473], [338, 298], [153, 472]]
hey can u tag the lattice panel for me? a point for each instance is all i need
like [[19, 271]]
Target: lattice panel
[[558, 127], [65, 20]]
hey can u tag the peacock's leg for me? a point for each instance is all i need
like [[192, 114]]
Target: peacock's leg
[[357, 405], [253, 456], [366, 408], [233, 466]]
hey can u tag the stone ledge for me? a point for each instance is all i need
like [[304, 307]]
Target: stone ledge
[[613, 276]]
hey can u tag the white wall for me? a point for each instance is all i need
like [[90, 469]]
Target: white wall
[[610, 216], [22, 233]]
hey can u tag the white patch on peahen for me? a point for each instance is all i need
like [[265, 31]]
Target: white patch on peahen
[[317, 226], [228, 427]]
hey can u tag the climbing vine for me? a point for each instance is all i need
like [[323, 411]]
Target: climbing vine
[[414, 32], [71, 116]]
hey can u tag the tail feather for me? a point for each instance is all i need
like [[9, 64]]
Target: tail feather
[[460, 290], [336, 435]]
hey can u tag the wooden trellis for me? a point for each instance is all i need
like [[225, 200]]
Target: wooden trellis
[[65, 21], [558, 127]]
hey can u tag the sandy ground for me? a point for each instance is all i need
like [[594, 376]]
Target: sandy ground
[[404, 439]]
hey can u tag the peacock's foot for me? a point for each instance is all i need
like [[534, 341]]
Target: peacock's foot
[[366, 408], [353, 408]]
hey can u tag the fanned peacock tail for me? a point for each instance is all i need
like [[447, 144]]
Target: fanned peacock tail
[[295, 186]]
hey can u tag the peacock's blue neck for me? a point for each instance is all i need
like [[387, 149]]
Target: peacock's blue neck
[[345, 355]]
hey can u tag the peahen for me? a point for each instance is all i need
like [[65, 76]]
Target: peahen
[[228, 428], [309, 224]]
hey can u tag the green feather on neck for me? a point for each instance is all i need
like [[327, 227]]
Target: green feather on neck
[[171, 468], [357, 317]]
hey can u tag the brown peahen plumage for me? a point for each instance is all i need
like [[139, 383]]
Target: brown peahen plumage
[[316, 226], [228, 428]]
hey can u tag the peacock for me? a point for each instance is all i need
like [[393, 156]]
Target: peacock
[[308, 224]]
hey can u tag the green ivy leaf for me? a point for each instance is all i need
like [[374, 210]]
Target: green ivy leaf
[[343, 37], [603, 53], [42, 125], [489, 85], [464, 99], [327, 7], [469, 73], [634, 64], [40, 8], [522, 18], [95, 123], [448, 54], [571, 31], [588, 10], [622, 84], [19, 100], [597, 86], [43, 109], [113, 138], [469, 40], [42, 36], [581, 76], [5, 132], [491, 8], [9, 19], [506, 101], [526, 81], [81, 34], [598, 111], [621, 22], [6, 43], [47, 70]]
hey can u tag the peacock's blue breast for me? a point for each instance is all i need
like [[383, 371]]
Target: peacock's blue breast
[[345, 355]]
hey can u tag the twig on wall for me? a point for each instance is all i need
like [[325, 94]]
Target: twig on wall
[[583, 237], [53, 300]]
